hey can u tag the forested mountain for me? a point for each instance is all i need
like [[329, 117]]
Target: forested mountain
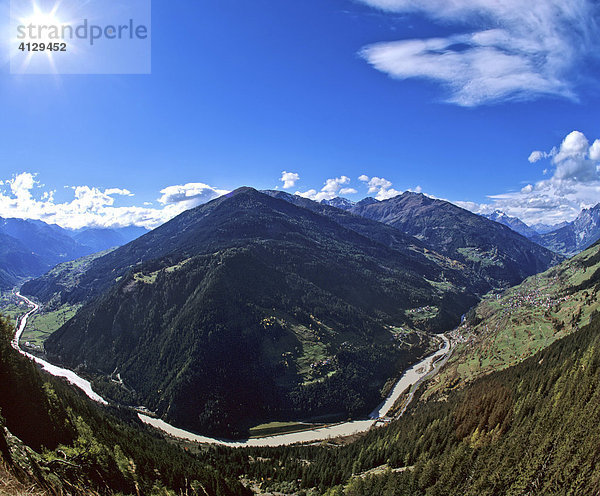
[[252, 308], [253, 276], [575, 236], [55, 285], [54, 441], [498, 254], [528, 429]]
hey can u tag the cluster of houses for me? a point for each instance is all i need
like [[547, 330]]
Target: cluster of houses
[[427, 308], [321, 363], [536, 299]]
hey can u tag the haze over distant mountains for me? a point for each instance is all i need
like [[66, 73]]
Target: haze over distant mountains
[[566, 238], [28, 248]]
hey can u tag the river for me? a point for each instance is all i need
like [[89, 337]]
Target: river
[[69, 375]]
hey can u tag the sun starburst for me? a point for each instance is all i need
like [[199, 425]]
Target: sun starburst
[[37, 29]]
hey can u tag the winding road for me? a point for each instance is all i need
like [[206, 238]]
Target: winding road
[[411, 378]]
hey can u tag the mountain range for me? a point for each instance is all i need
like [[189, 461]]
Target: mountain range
[[29, 248], [251, 308], [576, 236], [514, 223], [261, 306], [565, 238], [495, 252], [99, 239]]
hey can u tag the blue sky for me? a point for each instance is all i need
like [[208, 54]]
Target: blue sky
[[448, 101]]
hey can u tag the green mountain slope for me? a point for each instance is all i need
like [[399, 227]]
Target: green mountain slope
[[506, 328], [54, 287], [250, 308]]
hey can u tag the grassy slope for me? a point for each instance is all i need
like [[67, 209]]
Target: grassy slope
[[509, 327], [45, 322]]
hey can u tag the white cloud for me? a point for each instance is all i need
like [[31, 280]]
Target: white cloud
[[331, 189], [381, 186], [311, 194], [118, 191], [91, 206], [572, 160], [527, 189], [535, 156], [595, 151], [21, 185], [514, 50], [289, 179], [573, 186], [191, 194]]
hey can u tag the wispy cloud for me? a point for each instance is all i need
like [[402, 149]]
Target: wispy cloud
[[24, 197], [500, 50], [574, 185]]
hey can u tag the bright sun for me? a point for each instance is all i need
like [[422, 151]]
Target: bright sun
[[40, 20], [37, 28]]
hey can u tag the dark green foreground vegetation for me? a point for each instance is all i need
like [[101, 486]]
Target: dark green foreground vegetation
[[67, 445], [530, 429]]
